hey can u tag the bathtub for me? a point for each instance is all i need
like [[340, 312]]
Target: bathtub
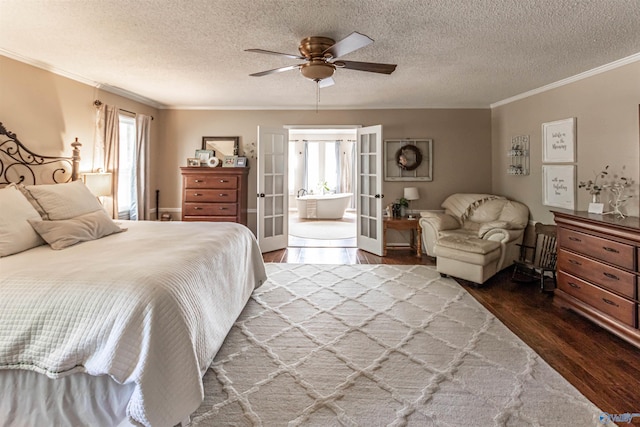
[[327, 206]]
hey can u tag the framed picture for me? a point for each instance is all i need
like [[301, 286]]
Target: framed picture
[[193, 161], [221, 146], [559, 141], [408, 160], [241, 162], [559, 186], [229, 161], [204, 156]]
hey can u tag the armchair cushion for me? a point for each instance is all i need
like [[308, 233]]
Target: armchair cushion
[[491, 225]]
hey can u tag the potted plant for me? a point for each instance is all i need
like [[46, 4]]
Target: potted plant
[[404, 204]]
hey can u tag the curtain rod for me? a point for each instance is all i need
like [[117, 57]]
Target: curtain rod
[[98, 103]]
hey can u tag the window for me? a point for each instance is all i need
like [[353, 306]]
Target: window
[[127, 196]]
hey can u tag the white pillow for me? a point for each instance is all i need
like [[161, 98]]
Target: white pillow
[[62, 201], [66, 232], [16, 235]]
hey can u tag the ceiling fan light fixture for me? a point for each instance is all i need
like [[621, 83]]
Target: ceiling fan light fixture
[[317, 70]]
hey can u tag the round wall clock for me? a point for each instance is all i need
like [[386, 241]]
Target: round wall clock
[[408, 157]]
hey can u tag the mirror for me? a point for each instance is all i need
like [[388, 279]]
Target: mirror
[[221, 145]]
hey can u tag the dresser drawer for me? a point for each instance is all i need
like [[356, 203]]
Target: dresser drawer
[[602, 300], [616, 253], [209, 181], [612, 278], [213, 209], [210, 195]]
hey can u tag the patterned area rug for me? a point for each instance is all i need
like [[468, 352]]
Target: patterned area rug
[[374, 345]]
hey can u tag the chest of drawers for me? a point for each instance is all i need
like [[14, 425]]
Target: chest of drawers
[[598, 270], [214, 194]]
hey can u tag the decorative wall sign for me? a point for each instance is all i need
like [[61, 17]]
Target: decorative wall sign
[[559, 186], [559, 141], [408, 160]]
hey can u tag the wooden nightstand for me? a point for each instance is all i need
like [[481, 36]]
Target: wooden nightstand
[[403, 224]]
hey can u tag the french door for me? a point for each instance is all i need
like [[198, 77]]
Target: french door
[[369, 190], [272, 188]]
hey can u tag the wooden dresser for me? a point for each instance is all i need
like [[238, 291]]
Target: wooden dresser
[[214, 194], [598, 271]]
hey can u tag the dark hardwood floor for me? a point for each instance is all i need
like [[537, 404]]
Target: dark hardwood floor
[[603, 367]]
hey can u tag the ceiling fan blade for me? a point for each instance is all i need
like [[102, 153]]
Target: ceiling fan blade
[[270, 52], [326, 82], [353, 41], [372, 67], [276, 70]]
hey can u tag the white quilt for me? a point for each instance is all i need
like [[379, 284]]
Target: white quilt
[[150, 306]]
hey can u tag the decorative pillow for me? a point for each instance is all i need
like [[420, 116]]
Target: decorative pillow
[[62, 201], [66, 232], [16, 235]]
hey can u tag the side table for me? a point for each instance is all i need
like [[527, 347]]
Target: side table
[[401, 224]]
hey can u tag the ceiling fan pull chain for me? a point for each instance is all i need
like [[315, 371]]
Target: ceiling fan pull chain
[[317, 94]]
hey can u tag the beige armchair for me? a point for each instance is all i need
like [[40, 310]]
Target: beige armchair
[[476, 236]]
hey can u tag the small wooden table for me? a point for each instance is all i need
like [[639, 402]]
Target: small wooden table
[[403, 224]]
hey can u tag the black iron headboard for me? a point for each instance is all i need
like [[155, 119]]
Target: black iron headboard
[[18, 164]]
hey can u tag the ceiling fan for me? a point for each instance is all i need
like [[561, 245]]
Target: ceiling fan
[[321, 58]]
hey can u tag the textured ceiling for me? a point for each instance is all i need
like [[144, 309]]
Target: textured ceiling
[[190, 54]]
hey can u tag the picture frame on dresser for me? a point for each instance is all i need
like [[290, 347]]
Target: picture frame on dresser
[[204, 156], [229, 161], [193, 162]]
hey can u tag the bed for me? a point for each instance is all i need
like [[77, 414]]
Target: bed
[[117, 324]]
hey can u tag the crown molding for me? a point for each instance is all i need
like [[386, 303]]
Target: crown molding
[[107, 88], [598, 70]]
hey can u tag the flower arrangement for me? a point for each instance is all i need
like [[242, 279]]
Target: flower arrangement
[[592, 185], [616, 186]]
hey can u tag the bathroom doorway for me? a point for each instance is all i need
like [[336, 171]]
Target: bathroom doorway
[[322, 185]]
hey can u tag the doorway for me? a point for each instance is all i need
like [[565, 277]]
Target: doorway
[[322, 210]]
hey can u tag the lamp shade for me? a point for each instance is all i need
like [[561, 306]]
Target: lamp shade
[[411, 193], [98, 182]]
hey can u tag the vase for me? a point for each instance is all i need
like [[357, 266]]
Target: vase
[[403, 211], [595, 197]]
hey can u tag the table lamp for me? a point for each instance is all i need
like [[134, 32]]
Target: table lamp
[[411, 193], [99, 183]]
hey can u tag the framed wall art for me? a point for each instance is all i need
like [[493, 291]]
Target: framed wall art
[[559, 186], [408, 160], [559, 141]]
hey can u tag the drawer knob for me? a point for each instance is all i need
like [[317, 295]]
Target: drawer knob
[[611, 276], [573, 285], [198, 180], [615, 251], [574, 262], [223, 195], [575, 239], [224, 209], [197, 194], [223, 180], [197, 208], [608, 301]]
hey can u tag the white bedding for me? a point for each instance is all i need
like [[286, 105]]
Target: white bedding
[[150, 306]]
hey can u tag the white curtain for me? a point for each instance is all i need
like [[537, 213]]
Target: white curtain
[[140, 204], [346, 164], [107, 151]]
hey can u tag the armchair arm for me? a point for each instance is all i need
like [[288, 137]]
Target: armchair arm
[[509, 240], [432, 224]]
